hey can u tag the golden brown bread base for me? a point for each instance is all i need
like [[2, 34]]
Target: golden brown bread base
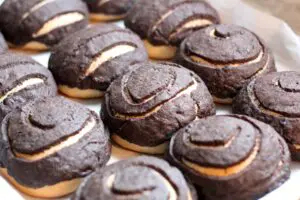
[[98, 17], [54, 191], [159, 149], [79, 93], [161, 52]]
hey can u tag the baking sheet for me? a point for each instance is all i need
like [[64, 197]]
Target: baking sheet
[[277, 34]]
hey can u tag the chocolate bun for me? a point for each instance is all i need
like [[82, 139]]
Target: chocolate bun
[[165, 23], [106, 10], [274, 99], [145, 107], [226, 57], [51, 142], [21, 80], [85, 63], [40, 24], [137, 178], [3, 45], [231, 157]]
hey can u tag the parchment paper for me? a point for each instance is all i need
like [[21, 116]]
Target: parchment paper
[[286, 48]]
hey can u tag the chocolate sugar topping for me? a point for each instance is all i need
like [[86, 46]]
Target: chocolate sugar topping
[[41, 130], [22, 79], [31, 16], [279, 92], [224, 44], [162, 21], [48, 121], [226, 57], [147, 105], [230, 150], [71, 59], [137, 178], [274, 99]]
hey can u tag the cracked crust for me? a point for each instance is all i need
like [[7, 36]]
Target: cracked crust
[[92, 58], [138, 178], [160, 21], [50, 141], [32, 17], [147, 105], [22, 79], [274, 99], [226, 57], [220, 153]]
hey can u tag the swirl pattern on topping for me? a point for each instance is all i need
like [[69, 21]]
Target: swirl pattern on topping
[[110, 7], [46, 21], [227, 57], [22, 79], [147, 105], [59, 139], [274, 99], [138, 178], [170, 21], [220, 152], [92, 58]]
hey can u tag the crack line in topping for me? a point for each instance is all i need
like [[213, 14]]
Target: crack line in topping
[[172, 192], [212, 33], [36, 7], [110, 181], [287, 89], [89, 125], [221, 172], [255, 101], [214, 146], [167, 14], [201, 60], [83, 42], [109, 53], [260, 71], [58, 22], [39, 125], [200, 22], [134, 101], [22, 86], [184, 91]]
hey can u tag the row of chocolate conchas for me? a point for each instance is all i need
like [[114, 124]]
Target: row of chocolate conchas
[[40, 25], [226, 57], [86, 63], [48, 144], [226, 157]]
